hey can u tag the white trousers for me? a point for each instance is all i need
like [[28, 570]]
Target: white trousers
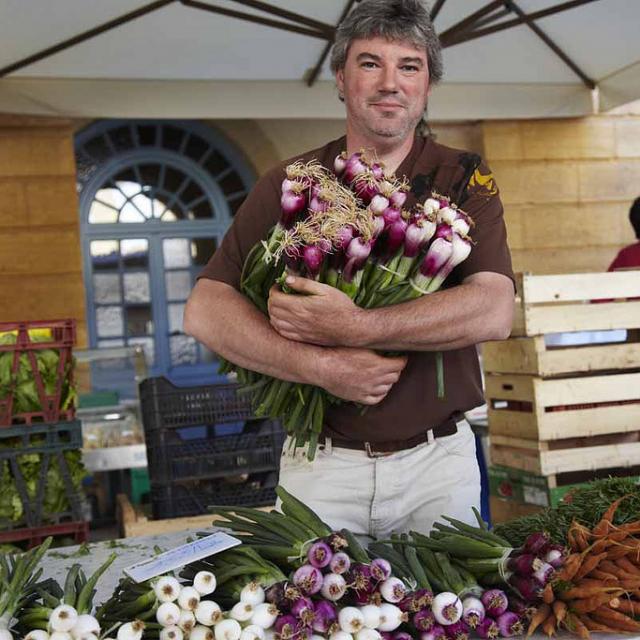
[[403, 491]]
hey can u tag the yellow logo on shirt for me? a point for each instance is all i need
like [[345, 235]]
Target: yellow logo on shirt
[[484, 182]]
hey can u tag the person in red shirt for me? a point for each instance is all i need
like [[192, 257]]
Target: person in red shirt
[[629, 257]]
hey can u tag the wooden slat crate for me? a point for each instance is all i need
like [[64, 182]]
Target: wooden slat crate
[[561, 303], [526, 406]]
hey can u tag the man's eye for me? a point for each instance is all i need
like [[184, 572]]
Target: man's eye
[[410, 67], [368, 65]]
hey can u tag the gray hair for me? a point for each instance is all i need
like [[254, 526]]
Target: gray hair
[[395, 20]]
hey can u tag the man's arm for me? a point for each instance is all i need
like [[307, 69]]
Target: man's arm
[[227, 323], [479, 309]]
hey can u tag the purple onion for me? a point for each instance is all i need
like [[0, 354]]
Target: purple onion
[[345, 236], [377, 171], [318, 205], [380, 569], [282, 594], [495, 602], [402, 635], [287, 626], [398, 198], [313, 257], [523, 564], [292, 204], [457, 631], [436, 633], [424, 620], [395, 235], [536, 542], [510, 624], [353, 167], [340, 563], [366, 188], [439, 252], [386, 635], [308, 579], [357, 253], [391, 215], [517, 605], [336, 541], [379, 226], [528, 588], [325, 616], [359, 577], [301, 605], [554, 554], [543, 573], [444, 231], [488, 629], [333, 586], [319, 554], [416, 236], [473, 612]]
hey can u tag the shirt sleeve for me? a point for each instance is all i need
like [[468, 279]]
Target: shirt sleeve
[[257, 214], [490, 251]]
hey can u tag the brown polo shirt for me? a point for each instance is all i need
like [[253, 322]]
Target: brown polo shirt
[[412, 405]]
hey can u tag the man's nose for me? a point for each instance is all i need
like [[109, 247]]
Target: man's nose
[[388, 80]]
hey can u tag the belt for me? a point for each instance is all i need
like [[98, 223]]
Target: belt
[[375, 449]]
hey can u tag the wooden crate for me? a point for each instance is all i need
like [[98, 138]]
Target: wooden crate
[[505, 510], [567, 302], [133, 522], [527, 406]]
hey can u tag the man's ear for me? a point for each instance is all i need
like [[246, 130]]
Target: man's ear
[[340, 81]]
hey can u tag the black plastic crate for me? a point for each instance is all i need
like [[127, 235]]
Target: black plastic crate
[[50, 443], [172, 459], [192, 499], [40, 438], [165, 406]]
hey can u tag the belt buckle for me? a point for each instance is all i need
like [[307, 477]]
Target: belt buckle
[[373, 454]]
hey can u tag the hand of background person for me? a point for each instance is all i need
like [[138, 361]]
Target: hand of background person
[[316, 313]]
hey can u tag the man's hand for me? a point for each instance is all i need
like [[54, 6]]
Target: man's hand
[[359, 375], [322, 315]]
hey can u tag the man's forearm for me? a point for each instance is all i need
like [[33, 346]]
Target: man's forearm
[[473, 312], [227, 323]]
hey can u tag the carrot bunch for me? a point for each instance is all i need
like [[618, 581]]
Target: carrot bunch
[[598, 587]]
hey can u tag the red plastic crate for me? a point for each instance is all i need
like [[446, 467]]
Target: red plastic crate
[[63, 337], [34, 536]]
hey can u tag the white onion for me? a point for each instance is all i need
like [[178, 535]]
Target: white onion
[[252, 632], [85, 624], [168, 614], [228, 630], [368, 634], [264, 615], [86, 636], [350, 619], [340, 635], [200, 632], [371, 614], [393, 590], [167, 589], [188, 598], [61, 635], [131, 630], [431, 205], [208, 613], [63, 618], [5, 634], [447, 608], [171, 633], [253, 594], [204, 582], [391, 617], [241, 611], [187, 620], [36, 634]]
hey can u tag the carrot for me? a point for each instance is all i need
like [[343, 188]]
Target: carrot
[[547, 593], [549, 625], [580, 593], [590, 563], [575, 625], [560, 610], [603, 576], [628, 566], [615, 619], [588, 582], [626, 605], [612, 567], [570, 566], [618, 550], [593, 625], [606, 522], [538, 617], [630, 585], [587, 605], [579, 536]]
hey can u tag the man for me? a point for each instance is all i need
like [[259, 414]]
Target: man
[[410, 457], [629, 257]]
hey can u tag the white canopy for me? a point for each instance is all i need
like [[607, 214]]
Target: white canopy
[[180, 59]]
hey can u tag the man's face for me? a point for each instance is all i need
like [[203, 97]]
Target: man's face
[[385, 85]]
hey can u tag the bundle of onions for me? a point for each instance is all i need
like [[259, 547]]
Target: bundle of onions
[[347, 229]]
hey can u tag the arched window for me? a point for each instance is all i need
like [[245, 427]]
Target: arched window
[[156, 198]]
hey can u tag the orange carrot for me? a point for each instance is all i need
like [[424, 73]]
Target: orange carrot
[[612, 567], [549, 625], [603, 576], [579, 593], [538, 617], [593, 625], [615, 619], [587, 605], [570, 566], [560, 610], [628, 566], [604, 526], [626, 605], [576, 625], [547, 593], [590, 563]]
